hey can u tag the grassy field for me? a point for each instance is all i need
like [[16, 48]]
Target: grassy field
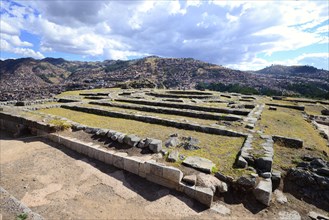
[[222, 150], [313, 109], [160, 115], [77, 92], [290, 123]]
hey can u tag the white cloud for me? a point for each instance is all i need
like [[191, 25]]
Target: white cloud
[[14, 40], [222, 32], [25, 52], [319, 60]]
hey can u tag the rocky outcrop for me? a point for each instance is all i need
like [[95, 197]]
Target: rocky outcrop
[[310, 181]]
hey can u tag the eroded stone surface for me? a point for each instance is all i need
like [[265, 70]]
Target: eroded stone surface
[[199, 163]]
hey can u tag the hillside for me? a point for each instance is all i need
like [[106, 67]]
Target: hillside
[[305, 71], [28, 78]]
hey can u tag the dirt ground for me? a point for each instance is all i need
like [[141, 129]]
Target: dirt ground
[[58, 183]]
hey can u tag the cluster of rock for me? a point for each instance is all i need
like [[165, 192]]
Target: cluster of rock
[[310, 181], [267, 179], [233, 104], [188, 143], [131, 140], [264, 162], [252, 118], [245, 157]]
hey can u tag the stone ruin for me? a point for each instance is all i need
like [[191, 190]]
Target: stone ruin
[[203, 186]]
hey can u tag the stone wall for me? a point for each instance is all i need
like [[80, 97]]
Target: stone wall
[[10, 122], [189, 92], [189, 113], [163, 95], [26, 103], [288, 141], [153, 171], [142, 166], [186, 106], [297, 107], [155, 120]]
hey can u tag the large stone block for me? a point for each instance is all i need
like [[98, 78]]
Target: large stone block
[[241, 162], [288, 142], [199, 163], [145, 168], [155, 145], [188, 190], [161, 181], [204, 195], [264, 164], [108, 157], [173, 174], [92, 151], [131, 140], [156, 169], [132, 164], [263, 191], [118, 159]]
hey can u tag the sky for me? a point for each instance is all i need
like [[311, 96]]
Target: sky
[[245, 35]]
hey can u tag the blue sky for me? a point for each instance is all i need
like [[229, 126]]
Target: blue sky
[[239, 34]]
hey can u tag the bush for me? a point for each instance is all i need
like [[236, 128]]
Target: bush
[[60, 124]]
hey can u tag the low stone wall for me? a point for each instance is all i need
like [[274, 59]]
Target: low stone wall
[[163, 110], [244, 157], [253, 116], [95, 94], [10, 122], [189, 92], [155, 120], [8, 103], [297, 107], [187, 106], [164, 95], [66, 100], [153, 171], [149, 169], [34, 102], [301, 100], [288, 141]]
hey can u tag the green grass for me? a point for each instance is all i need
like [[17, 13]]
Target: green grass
[[313, 109], [22, 216], [77, 92], [290, 123], [222, 150], [160, 115], [60, 124]]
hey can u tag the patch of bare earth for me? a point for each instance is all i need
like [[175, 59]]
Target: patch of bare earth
[[58, 183]]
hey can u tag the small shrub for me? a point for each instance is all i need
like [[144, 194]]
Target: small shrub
[[60, 124], [22, 216]]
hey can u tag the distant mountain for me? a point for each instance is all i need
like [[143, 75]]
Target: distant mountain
[[27, 78], [305, 71]]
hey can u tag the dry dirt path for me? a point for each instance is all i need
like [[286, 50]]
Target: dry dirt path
[[58, 183]]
